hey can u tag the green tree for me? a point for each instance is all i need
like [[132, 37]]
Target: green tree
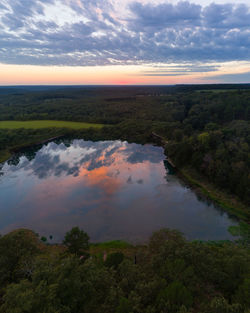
[[17, 252], [124, 306], [114, 259], [174, 296], [60, 285], [77, 241], [243, 294], [220, 305]]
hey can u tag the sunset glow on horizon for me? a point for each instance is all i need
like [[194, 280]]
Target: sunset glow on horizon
[[110, 75]]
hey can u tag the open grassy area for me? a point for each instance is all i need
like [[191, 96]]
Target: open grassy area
[[100, 248], [46, 124]]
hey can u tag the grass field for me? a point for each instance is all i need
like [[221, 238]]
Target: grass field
[[46, 124]]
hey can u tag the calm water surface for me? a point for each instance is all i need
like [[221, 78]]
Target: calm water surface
[[111, 189]]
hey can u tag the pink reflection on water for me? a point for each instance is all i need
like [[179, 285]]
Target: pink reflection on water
[[113, 190], [91, 199]]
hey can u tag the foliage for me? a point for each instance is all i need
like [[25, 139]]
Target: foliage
[[44, 239], [17, 252], [77, 241], [114, 259], [116, 244], [124, 306], [174, 296], [171, 275], [242, 231]]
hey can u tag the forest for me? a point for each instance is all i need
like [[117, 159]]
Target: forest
[[167, 274]]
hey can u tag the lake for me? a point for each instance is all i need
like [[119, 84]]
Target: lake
[[111, 189]]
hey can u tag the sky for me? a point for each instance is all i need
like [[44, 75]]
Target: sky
[[106, 42]]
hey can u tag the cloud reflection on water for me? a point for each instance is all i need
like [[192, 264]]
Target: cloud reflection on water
[[112, 189]]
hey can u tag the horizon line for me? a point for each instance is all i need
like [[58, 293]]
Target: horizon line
[[119, 85]]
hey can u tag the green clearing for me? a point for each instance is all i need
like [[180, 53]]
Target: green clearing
[[46, 124], [114, 246]]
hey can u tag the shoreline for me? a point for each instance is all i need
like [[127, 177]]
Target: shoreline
[[8, 153], [225, 201], [29, 145], [229, 204]]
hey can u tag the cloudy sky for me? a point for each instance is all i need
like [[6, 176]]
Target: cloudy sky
[[124, 41]]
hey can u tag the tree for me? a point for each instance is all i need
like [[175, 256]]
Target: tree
[[114, 259], [174, 296], [17, 252], [242, 295], [77, 241], [124, 306]]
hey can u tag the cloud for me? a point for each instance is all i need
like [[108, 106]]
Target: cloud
[[165, 15], [231, 78], [226, 16], [140, 154], [178, 70], [86, 33]]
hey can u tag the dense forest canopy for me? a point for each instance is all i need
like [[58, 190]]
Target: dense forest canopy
[[115, 104], [169, 274]]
